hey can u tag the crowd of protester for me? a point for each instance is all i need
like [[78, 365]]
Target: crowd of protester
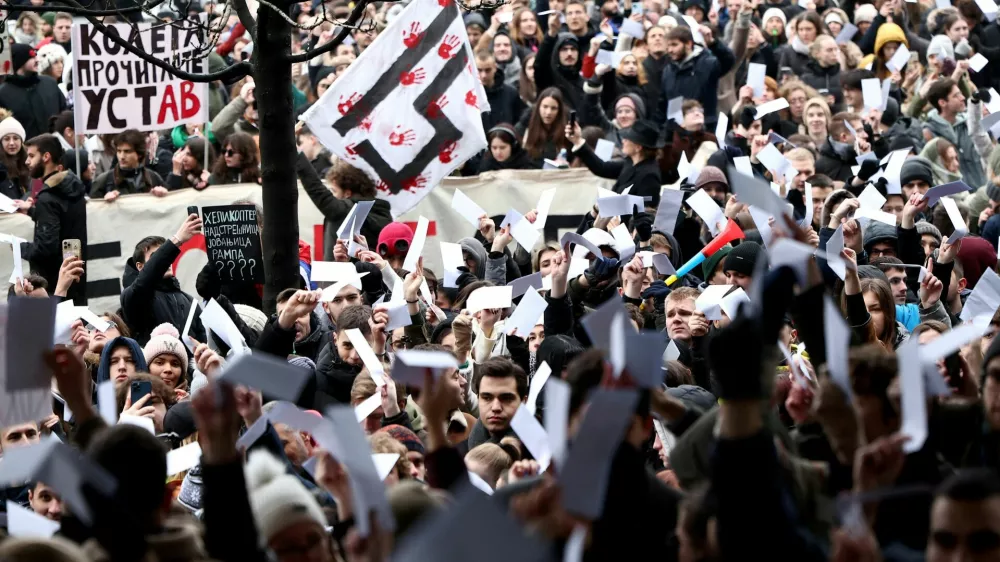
[[746, 445]]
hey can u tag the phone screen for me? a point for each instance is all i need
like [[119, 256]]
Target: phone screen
[[140, 389]]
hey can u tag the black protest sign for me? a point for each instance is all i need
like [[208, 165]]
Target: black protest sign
[[232, 240]]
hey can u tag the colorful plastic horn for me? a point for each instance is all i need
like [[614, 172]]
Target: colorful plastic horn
[[730, 233]]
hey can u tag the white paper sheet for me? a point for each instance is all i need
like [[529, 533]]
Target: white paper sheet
[[667, 212], [541, 375], [545, 203], [384, 463], [674, 110], [913, 400], [332, 271], [183, 458], [838, 341], [417, 246], [710, 299], [935, 193], [961, 230], [467, 208], [367, 355], [721, 127], [755, 78], [532, 435], [411, 364], [977, 62], [489, 297], [604, 149], [846, 33], [23, 522], [632, 28], [527, 314], [365, 409], [706, 208], [899, 60], [770, 107], [871, 90]]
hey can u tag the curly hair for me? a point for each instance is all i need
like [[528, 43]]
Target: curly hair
[[352, 179]]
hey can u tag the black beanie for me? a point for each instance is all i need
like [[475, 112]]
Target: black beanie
[[917, 168], [743, 258], [20, 54]]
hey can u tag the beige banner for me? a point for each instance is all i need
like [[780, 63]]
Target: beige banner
[[116, 227]]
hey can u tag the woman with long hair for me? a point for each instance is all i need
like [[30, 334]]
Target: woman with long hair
[[526, 84], [16, 183], [545, 132], [505, 152], [870, 308], [238, 163], [525, 32], [639, 169], [189, 165]]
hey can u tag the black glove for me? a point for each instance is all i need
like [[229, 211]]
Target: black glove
[[643, 225], [735, 356], [602, 269], [981, 95], [209, 283], [868, 169]]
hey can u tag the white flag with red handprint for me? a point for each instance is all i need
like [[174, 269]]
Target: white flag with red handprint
[[407, 111]]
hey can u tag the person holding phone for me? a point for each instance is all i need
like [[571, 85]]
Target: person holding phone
[[60, 214]]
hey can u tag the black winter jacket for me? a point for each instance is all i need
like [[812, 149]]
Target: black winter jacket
[[150, 299], [60, 213], [114, 180], [825, 80], [643, 177], [32, 100], [335, 210], [506, 105], [549, 72], [281, 342]]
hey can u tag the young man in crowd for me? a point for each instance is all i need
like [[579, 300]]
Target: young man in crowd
[[130, 174], [503, 386], [60, 214]]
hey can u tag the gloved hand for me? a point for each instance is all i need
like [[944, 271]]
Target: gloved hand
[[868, 169], [735, 356], [643, 225], [981, 95], [208, 284], [657, 290], [748, 116], [601, 270]]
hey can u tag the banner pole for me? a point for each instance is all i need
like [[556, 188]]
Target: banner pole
[[208, 165], [76, 150]]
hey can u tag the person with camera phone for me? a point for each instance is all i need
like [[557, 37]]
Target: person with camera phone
[[638, 169]]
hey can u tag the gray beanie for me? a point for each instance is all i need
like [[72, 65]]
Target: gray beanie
[[992, 191], [924, 227], [879, 232], [917, 168], [941, 46]]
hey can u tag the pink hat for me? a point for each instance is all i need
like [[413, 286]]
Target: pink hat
[[165, 340]]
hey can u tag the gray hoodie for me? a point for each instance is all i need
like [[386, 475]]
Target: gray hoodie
[[476, 250]]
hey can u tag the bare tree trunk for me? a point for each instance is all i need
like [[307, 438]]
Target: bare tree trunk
[[273, 78]]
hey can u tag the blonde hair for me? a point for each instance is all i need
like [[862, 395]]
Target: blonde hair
[[364, 387], [800, 155], [820, 103], [493, 457], [536, 254], [382, 442], [792, 85]]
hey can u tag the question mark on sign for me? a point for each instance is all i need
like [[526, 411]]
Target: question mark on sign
[[232, 266], [243, 265], [253, 263], [219, 265]]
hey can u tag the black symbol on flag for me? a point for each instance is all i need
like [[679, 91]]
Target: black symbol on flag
[[446, 134]]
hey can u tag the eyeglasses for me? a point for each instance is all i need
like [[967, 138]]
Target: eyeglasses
[[399, 247], [230, 152]]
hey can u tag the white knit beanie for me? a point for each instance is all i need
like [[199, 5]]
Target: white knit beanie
[[11, 126], [774, 13], [278, 499], [49, 54], [865, 13]]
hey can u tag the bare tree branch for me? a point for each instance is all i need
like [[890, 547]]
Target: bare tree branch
[[235, 71], [77, 9], [246, 18], [356, 15]]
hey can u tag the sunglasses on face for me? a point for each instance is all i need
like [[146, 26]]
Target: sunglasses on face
[[230, 152], [399, 247]]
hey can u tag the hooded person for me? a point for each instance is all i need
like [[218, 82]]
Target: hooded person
[[940, 172], [626, 109], [558, 64], [879, 235], [959, 122], [977, 255], [887, 34], [895, 124], [394, 243], [121, 358], [32, 98], [475, 257], [517, 158]]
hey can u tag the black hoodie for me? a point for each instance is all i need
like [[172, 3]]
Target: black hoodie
[[60, 213], [566, 78]]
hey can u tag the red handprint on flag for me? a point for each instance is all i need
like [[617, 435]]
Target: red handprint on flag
[[471, 99], [413, 184], [447, 48], [402, 138], [413, 37], [435, 107], [347, 104], [446, 153], [414, 77]]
